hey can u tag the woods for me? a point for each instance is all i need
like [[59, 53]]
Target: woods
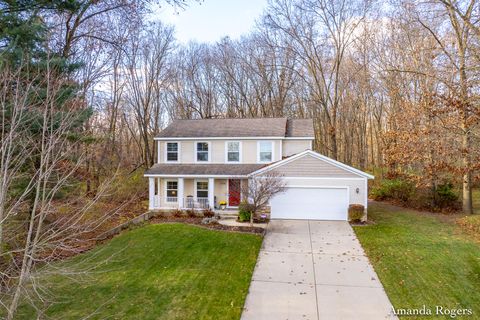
[[392, 87]]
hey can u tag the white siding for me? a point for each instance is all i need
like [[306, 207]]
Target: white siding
[[308, 166], [217, 152]]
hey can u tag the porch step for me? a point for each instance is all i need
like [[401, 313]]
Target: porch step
[[227, 214]]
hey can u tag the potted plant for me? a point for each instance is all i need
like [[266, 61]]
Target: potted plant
[[223, 205]]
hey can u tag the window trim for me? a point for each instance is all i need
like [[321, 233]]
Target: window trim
[[195, 188], [166, 190], [272, 143], [179, 148], [209, 151], [240, 154]]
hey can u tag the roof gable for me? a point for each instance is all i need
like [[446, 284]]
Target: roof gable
[[313, 164]]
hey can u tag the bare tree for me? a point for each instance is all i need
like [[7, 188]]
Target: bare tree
[[48, 233], [320, 32], [447, 25], [14, 149], [260, 189], [147, 75]]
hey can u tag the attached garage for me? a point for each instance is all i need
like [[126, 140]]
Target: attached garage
[[314, 203], [317, 188]]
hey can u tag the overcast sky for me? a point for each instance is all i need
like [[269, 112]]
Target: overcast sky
[[212, 19]]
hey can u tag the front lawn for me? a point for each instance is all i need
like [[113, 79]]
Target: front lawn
[[476, 201], [422, 259], [163, 271]]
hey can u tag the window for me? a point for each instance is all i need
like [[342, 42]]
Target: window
[[202, 151], [172, 191], [172, 151], [265, 151], [202, 189], [233, 151]]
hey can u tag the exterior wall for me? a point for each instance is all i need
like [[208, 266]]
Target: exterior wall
[[291, 147], [221, 190], [217, 152], [189, 189], [352, 184], [249, 153], [187, 151], [308, 166]]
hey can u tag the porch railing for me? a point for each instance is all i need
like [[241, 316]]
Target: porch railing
[[171, 199], [196, 203], [188, 202]]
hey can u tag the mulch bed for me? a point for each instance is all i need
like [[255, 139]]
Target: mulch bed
[[213, 226]]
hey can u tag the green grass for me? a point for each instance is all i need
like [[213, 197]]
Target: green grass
[[168, 271], [476, 201], [471, 223], [422, 259]]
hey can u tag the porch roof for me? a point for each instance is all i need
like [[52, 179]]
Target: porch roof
[[212, 169]]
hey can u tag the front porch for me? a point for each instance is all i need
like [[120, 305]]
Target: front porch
[[196, 193]]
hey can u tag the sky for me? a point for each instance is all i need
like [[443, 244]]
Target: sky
[[211, 20]]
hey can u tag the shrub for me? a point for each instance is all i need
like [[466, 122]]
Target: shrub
[[245, 207], [445, 195], [392, 189], [177, 213], [244, 216], [245, 210], [356, 212], [208, 213], [191, 213]]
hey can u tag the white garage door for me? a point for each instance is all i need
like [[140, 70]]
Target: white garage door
[[310, 203]]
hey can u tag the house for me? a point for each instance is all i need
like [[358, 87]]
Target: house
[[202, 163]]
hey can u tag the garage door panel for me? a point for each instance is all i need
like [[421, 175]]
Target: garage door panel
[[310, 203]]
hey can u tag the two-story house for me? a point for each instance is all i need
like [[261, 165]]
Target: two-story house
[[202, 163]]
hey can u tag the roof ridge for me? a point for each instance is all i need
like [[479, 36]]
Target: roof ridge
[[281, 127], [257, 118]]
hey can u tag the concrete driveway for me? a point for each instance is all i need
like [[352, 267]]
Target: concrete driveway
[[314, 270]]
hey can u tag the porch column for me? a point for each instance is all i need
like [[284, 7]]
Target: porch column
[[151, 193], [159, 193], [211, 193], [180, 192]]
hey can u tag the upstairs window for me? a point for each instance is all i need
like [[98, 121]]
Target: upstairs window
[[202, 151], [172, 151], [265, 151], [233, 151]]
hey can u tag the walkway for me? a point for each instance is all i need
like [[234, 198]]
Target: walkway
[[314, 270]]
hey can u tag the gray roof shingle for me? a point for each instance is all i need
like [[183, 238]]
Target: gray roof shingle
[[299, 128], [266, 127], [249, 127], [204, 169]]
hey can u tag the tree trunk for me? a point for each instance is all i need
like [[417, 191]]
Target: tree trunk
[[333, 143], [467, 176]]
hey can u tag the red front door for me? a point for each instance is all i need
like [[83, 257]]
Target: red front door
[[233, 192]]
